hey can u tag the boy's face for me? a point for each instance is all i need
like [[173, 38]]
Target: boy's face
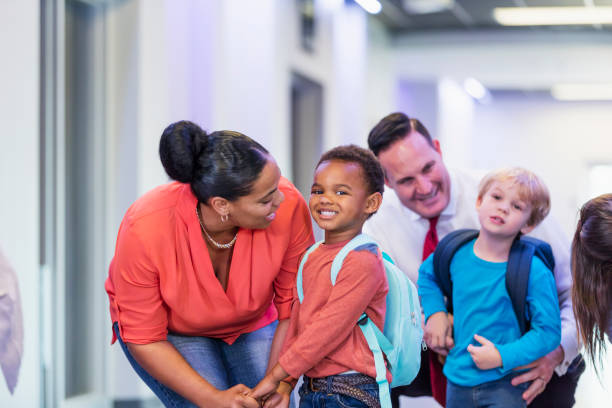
[[501, 211], [339, 201]]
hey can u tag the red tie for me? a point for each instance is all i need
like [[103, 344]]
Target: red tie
[[437, 379], [431, 239]]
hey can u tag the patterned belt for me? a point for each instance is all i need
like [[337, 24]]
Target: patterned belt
[[346, 385]]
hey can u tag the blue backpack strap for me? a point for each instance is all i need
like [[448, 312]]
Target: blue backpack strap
[[542, 250], [378, 344], [443, 255], [359, 240], [298, 282], [517, 273]]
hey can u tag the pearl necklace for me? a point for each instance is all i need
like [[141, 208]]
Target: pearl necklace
[[212, 241]]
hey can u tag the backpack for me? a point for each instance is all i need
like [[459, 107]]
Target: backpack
[[517, 271], [401, 339]]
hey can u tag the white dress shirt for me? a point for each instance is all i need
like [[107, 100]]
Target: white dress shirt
[[401, 233]]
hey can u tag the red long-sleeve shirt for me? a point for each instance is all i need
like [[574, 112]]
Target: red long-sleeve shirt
[[323, 337]]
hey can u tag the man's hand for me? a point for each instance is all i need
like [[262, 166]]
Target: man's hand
[[486, 356], [439, 333], [540, 372]]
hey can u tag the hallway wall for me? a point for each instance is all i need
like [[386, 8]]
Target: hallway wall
[[19, 181]]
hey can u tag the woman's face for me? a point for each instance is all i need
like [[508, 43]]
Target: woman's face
[[258, 209]]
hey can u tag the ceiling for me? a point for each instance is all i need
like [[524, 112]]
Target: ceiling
[[471, 15]]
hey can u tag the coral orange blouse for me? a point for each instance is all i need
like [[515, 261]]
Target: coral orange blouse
[[161, 278]]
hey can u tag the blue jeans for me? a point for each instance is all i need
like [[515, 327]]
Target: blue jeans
[[493, 394], [223, 365], [324, 399]]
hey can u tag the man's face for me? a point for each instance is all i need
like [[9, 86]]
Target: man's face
[[414, 169]]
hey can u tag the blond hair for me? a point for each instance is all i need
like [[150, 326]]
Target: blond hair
[[531, 190]]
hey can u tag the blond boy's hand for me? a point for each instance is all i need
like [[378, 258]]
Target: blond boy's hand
[[486, 356], [439, 333]]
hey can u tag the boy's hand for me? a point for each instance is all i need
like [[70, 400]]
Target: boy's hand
[[268, 386], [439, 333], [486, 356], [265, 389], [280, 399]]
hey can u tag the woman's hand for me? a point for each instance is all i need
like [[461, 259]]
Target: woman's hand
[[235, 397]]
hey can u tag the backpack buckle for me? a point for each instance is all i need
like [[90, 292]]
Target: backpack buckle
[[363, 320]]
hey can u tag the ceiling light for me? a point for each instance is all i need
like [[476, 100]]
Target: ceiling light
[[427, 6], [371, 6], [476, 90], [582, 92], [528, 16]]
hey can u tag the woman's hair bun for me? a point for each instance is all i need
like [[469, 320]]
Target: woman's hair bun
[[179, 148]]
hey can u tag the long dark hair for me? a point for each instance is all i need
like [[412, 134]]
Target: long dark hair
[[223, 163], [592, 274]]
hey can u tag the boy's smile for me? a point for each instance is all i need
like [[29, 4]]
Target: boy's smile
[[339, 200]]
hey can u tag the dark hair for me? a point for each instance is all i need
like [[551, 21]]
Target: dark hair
[[223, 163], [392, 128], [372, 171], [592, 274]]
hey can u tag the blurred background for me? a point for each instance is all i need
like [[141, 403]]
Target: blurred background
[[88, 86]]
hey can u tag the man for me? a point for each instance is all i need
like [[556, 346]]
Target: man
[[426, 202]]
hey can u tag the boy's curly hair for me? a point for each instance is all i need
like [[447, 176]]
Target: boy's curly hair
[[372, 171]]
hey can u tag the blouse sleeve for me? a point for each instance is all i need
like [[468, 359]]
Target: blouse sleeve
[[142, 316], [301, 239]]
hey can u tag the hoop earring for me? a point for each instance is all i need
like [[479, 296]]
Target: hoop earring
[[224, 217]]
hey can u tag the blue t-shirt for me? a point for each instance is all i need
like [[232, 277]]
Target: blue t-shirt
[[482, 306]]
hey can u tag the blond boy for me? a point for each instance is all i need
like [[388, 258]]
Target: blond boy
[[488, 346]]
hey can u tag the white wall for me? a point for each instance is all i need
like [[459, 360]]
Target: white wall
[[557, 140], [19, 178], [381, 76], [526, 59]]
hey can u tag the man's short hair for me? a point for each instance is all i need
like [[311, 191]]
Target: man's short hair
[[532, 190], [392, 128]]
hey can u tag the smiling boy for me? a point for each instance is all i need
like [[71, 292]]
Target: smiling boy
[[324, 341]]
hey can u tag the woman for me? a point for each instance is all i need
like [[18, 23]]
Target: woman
[[592, 273], [205, 266]]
